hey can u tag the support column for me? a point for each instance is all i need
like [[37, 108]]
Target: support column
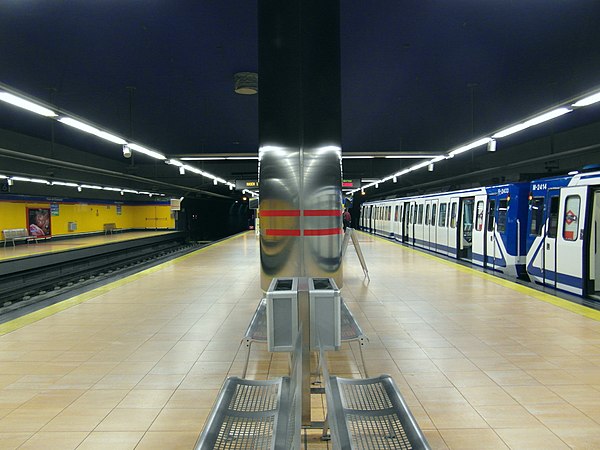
[[299, 139]]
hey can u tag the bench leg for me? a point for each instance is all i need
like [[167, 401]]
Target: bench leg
[[326, 436], [361, 342], [248, 345]]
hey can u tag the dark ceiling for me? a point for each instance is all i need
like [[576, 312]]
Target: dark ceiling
[[417, 76]]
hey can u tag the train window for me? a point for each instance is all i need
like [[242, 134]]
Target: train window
[[491, 214], [427, 214], [553, 222], [389, 213], [479, 218], [433, 213], [453, 216], [442, 219], [537, 216], [396, 212], [411, 217], [420, 218], [571, 220], [502, 210], [399, 213]]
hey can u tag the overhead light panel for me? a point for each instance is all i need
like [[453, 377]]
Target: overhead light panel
[[90, 186], [468, 147], [531, 122], [26, 104], [145, 151], [92, 130], [595, 98]]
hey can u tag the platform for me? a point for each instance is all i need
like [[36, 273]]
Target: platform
[[482, 362], [61, 244]]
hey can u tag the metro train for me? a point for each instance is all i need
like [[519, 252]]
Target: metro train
[[545, 231]]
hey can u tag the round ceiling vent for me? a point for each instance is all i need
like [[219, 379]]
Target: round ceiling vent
[[246, 83]]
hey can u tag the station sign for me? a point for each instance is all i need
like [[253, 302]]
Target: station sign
[[246, 184], [351, 184]]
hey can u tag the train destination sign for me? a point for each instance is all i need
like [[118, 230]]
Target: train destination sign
[[246, 184]]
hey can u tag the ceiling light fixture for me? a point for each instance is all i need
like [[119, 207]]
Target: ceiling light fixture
[[531, 122], [590, 100], [26, 104], [145, 151], [92, 130]]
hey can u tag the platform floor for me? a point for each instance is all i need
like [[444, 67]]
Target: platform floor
[[61, 245], [483, 363]]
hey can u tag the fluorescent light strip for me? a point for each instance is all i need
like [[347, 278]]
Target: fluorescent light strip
[[531, 122], [62, 183], [468, 147], [26, 104], [145, 151], [595, 98], [92, 130]]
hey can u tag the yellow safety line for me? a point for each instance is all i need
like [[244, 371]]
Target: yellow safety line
[[582, 310], [40, 314]]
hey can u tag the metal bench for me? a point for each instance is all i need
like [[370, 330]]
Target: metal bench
[[368, 414], [248, 415], [110, 228], [17, 234], [257, 331], [252, 414]]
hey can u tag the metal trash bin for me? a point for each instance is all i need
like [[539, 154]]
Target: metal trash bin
[[325, 314], [282, 314]]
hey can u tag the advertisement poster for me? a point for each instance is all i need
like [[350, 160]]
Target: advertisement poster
[[38, 221]]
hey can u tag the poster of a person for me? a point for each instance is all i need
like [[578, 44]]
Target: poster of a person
[[39, 221]]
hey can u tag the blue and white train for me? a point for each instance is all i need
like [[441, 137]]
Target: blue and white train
[[546, 231]]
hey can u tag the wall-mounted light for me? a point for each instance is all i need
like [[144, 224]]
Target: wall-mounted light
[[215, 182], [491, 147], [10, 181], [126, 151], [395, 179], [181, 170], [430, 167]]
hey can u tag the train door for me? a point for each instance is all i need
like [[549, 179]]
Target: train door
[[427, 228], [569, 242], [442, 228], [405, 222], [398, 222], [465, 232], [549, 245], [594, 248], [452, 227], [479, 231], [491, 249], [432, 225]]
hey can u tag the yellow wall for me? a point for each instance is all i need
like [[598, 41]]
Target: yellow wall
[[88, 216]]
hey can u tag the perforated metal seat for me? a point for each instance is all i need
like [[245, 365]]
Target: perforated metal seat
[[249, 415], [371, 414]]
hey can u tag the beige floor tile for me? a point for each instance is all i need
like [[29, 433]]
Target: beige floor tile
[[193, 399], [172, 440], [508, 416], [141, 398], [531, 439], [54, 440], [487, 395], [76, 419], [101, 399], [475, 439], [27, 419], [9, 441], [102, 440], [533, 395], [128, 419], [185, 419]]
